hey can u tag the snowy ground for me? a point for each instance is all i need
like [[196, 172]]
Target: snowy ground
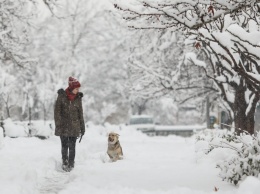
[[161, 165]]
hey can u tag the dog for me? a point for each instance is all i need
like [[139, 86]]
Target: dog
[[114, 149]]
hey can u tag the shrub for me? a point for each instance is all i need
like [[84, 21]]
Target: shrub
[[246, 158]]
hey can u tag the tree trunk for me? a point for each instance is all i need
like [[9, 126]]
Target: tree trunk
[[244, 120], [140, 110], [141, 106], [207, 113], [8, 111], [44, 113], [2, 125]]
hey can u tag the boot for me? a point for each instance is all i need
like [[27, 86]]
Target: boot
[[65, 162], [71, 165]]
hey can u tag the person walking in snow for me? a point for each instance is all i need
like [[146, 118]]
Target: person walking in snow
[[69, 122]]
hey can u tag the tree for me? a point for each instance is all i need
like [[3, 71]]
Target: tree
[[222, 32], [14, 19], [90, 46], [17, 66], [139, 106], [158, 69]]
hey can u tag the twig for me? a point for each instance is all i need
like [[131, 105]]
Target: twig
[[233, 148]]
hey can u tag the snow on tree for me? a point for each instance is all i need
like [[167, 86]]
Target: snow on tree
[[89, 45], [226, 35], [157, 68], [243, 153], [106, 75], [14, 19], [6, 93], [17, 66]]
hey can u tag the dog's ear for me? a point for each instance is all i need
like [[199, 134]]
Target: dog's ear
[[117, 134]]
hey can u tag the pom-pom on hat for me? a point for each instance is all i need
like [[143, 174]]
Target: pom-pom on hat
[[73, 83]]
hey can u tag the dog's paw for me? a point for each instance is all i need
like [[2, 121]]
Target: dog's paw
[[112, 160], [104, 158]]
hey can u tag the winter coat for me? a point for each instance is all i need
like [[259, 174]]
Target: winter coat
[[68, 115]]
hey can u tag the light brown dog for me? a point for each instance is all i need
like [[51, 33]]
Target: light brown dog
[[114, 149]]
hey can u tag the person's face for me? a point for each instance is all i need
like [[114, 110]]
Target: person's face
[[75, 91]]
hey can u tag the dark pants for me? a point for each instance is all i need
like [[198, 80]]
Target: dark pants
[[68, 145]]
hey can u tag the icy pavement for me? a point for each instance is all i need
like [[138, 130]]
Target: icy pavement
[[154, 165]]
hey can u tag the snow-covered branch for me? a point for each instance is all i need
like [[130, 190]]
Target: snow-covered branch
[[183, 15]]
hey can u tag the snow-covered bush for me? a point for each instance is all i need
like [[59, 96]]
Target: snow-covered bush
[[245, 160], [38, 129], [41, 129], [14, 130], [210, 137], [245, 163]]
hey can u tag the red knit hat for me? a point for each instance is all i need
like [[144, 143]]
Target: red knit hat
[[73, 83]]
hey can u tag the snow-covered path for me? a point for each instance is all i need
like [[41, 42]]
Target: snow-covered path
[[151, 165]]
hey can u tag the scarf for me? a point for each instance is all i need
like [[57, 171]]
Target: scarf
[[70, 95]]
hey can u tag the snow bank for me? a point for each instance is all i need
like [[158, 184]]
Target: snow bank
[[152, 165], [14, 130], [22, 162], [37, 162], [251, 185], [44, 128]]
